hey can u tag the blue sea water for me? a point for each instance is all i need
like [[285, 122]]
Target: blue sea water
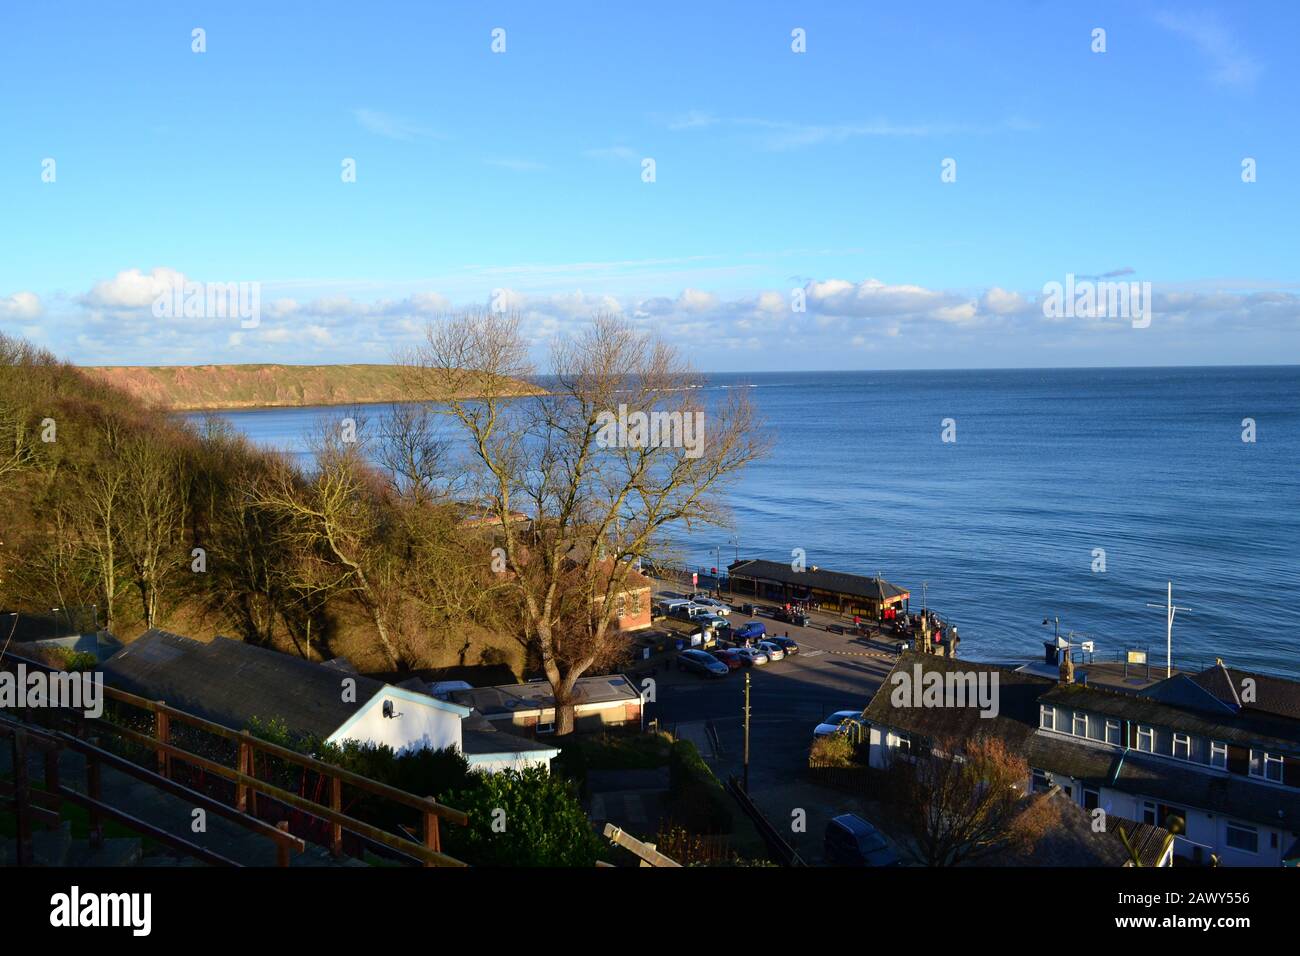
[[1000, 527]]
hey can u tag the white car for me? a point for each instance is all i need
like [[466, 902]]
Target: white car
[[752, 655], [715, 606], [837, 723], [773, 651]]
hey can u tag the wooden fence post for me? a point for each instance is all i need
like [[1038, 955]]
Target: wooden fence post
[[282, 848], [52, 778], [23, 819], [336, 804], [94, 790], [245, 766], [162, 733], [432, 836]]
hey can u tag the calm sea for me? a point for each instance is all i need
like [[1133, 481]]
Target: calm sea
[[1007, 525]]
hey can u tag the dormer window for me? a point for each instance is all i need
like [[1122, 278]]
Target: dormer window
[[1219, 754], [1046, 716], [1112, 732], [1182, 746], [1146, 739], [1266, 765], [1080, 728]]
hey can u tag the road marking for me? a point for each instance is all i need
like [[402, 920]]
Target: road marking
[[878, 654]]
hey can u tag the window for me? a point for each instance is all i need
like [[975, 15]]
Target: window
[[1149, 813], [1080, 724], [1219, 754], [1182, 746], [1146, 739], [1091, 798], [1266, 765], [1239, 836], [1039, 782], [1112, 732], [1046, 717]]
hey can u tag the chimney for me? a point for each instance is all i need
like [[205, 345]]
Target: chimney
[[1067, 667]]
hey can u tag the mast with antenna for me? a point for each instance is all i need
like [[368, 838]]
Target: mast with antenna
[[1170, 610]]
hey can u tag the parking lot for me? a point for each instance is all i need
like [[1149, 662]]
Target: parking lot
[[787, 699]]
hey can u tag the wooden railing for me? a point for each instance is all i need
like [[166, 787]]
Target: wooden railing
[[247, 786]]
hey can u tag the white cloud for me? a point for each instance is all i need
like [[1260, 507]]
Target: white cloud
[[21, 307], [133, 289], [112, 323]]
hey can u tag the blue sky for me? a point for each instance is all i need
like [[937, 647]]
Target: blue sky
[[517, 177]]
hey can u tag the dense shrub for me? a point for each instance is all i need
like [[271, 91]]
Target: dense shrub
[[696, 798], [522, 818]]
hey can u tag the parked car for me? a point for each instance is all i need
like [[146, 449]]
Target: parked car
[[749, 631], [701, 662], [731, 657], [786, 644], [773, 651], [710, 620], [853, 841], [752, 655], [714, 605], [835, 723]]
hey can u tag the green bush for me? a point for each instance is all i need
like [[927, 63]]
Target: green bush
[[696, 799], [580, 754], [521, 818]]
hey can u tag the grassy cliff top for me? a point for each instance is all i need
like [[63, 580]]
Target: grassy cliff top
[[191, 387]]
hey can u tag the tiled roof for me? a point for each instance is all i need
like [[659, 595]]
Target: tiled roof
[[838, 582], [1017, 703], [1244, 728], [229, 682]]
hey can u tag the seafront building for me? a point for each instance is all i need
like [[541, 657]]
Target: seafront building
[[1219, 748]]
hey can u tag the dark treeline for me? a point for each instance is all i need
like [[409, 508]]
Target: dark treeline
[[156, 522]]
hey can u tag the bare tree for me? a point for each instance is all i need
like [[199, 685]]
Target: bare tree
[[154, 507], [98, 506], [333, 521], [958, 800], [595, 495]]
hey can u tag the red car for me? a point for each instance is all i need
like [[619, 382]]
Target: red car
[[731, 657]]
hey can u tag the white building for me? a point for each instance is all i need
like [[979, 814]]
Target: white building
[[1220, 748], [237, 684]]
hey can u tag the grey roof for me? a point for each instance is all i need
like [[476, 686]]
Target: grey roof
[[229, 682], [839, 582], [537, 695], [480, 738], [1274, 696], [1017, 703], [1095, 764], [1244, 728], [1181, 690]]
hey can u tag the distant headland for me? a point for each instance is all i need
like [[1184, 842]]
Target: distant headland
[[200, 387]]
